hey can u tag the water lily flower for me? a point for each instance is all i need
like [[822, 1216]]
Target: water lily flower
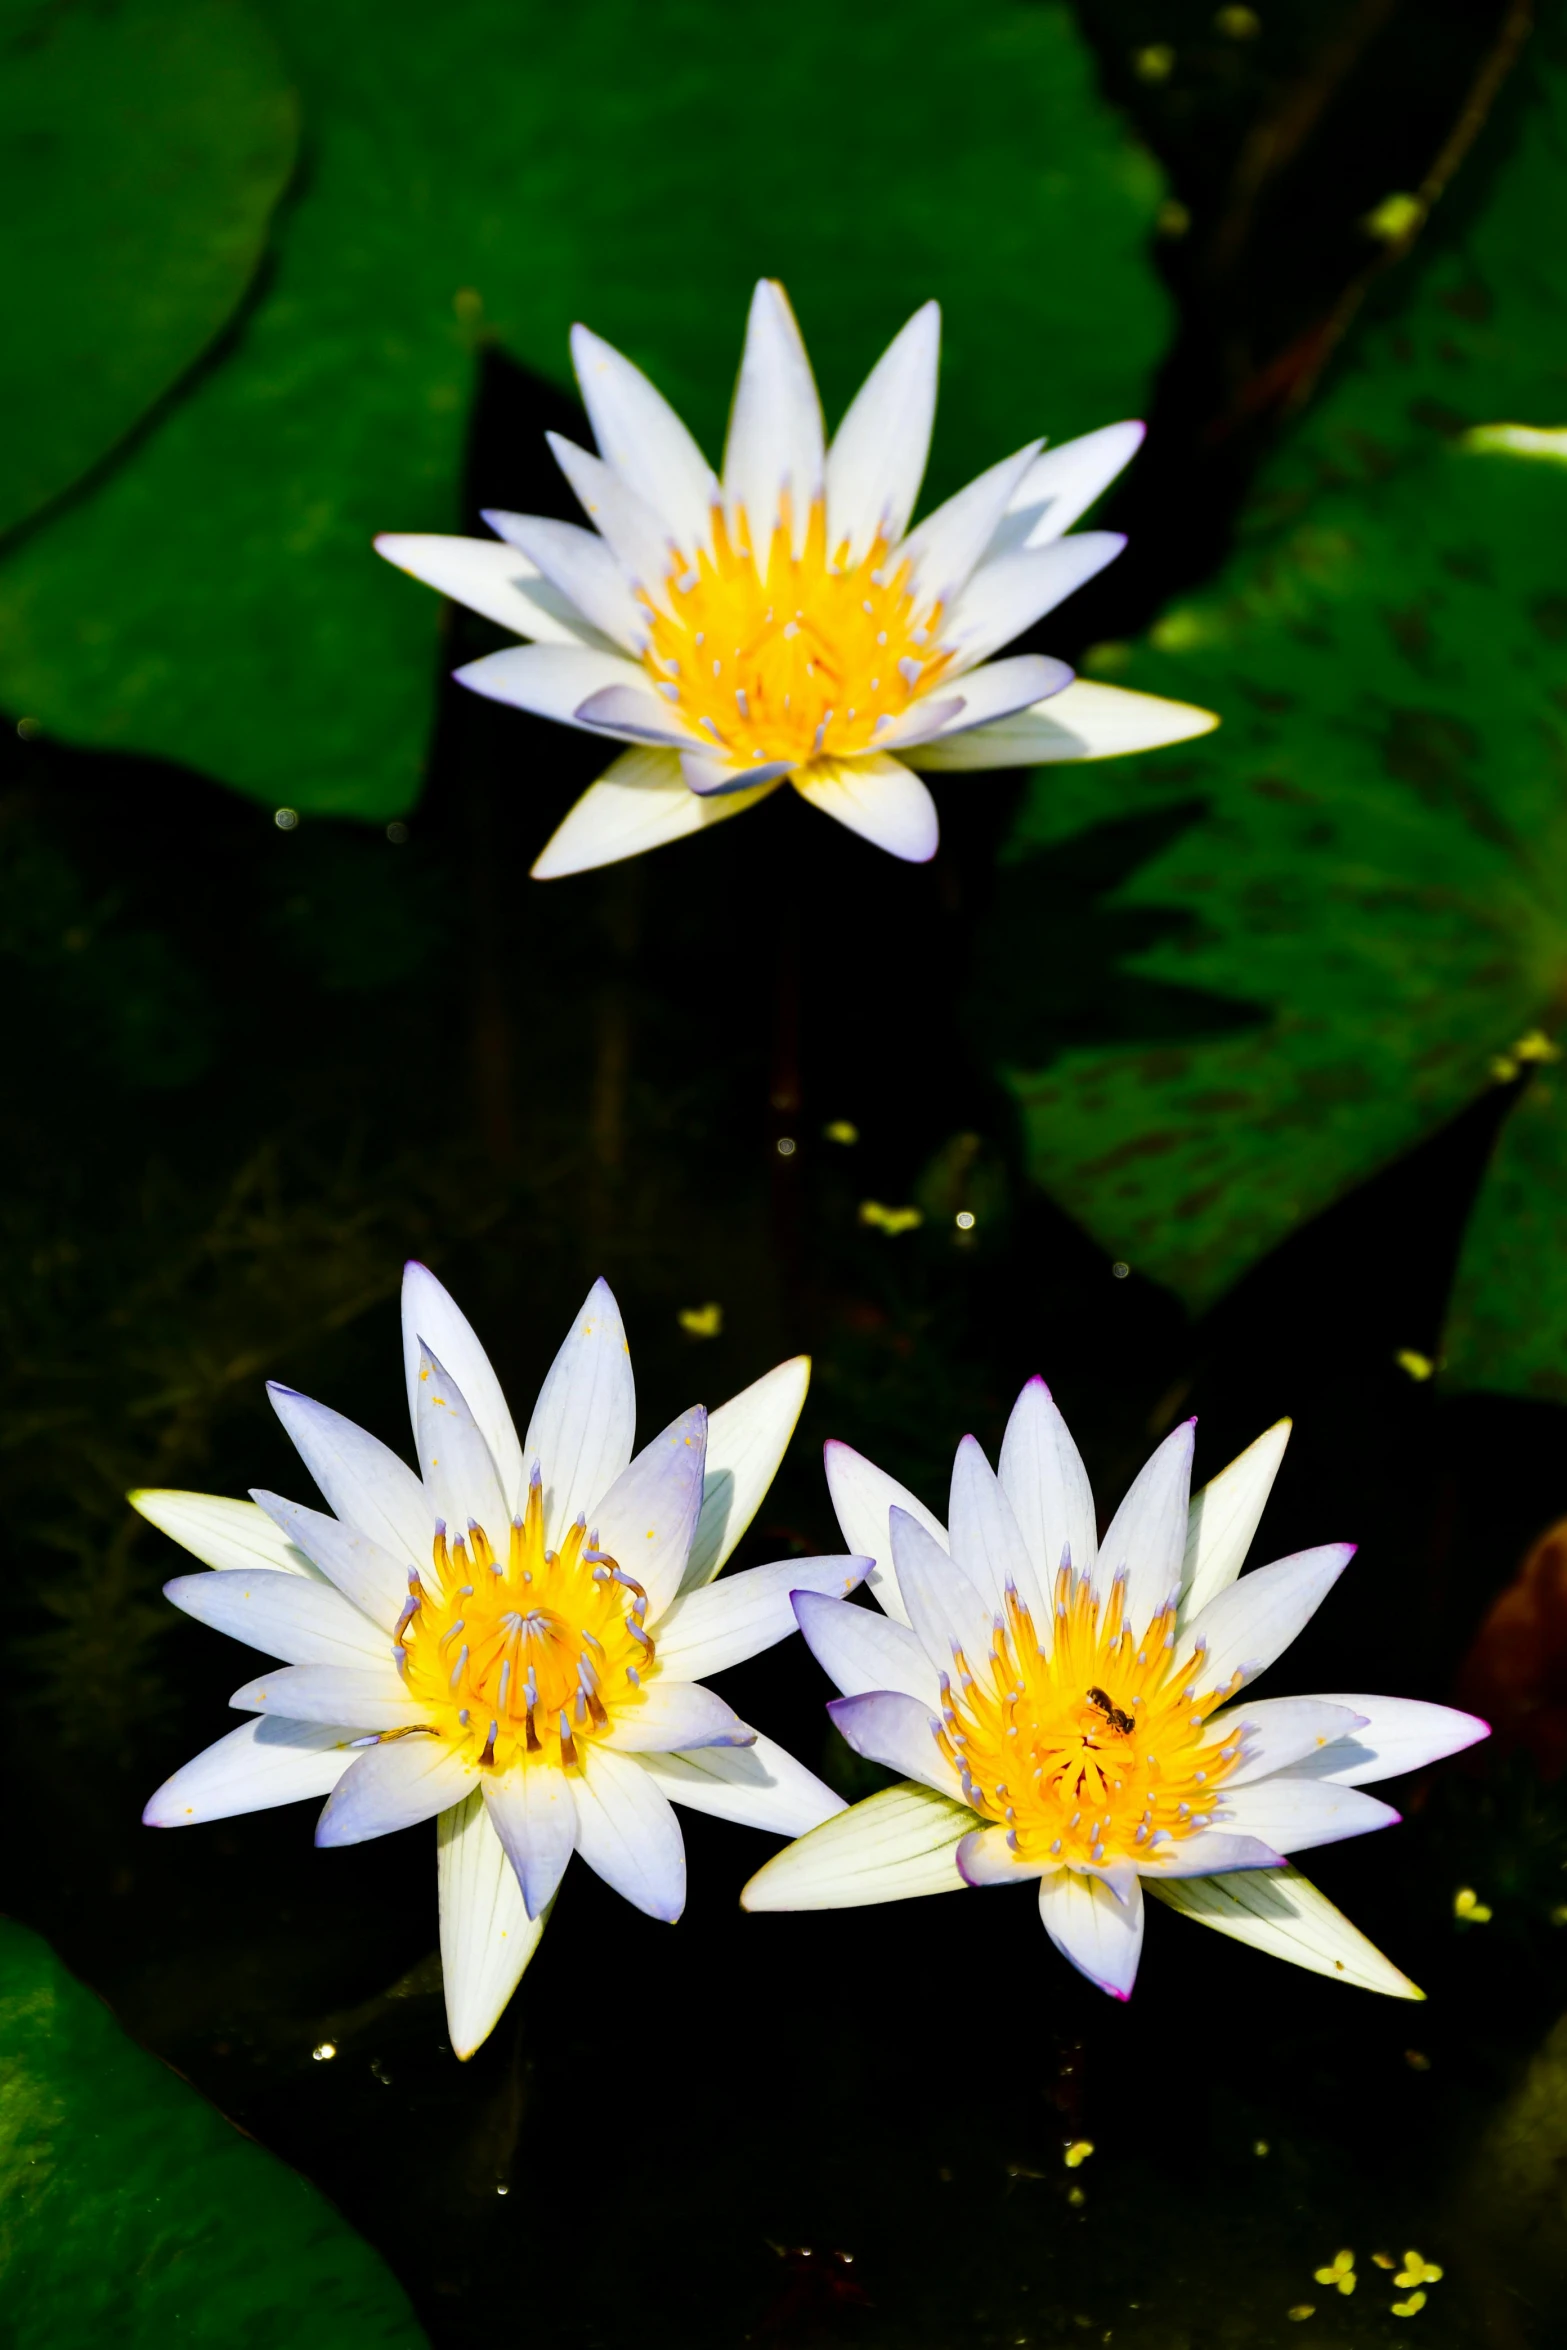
[[1070, 1711], [512, 1641], [783, 624]]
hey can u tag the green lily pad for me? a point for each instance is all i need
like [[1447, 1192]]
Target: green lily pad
[[142, 149], [131, 2212], [1359, 900], [490, 169]]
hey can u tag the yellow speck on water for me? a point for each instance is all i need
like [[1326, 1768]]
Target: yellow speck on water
[[1302, 2310], [1156, 63], [1410, 2308], [1417, 2271], [1384, 2260], [324, 2051], [701, 1321], [1261, 2147], [1172, 218], [1177, 632], [892, 1221], [1238, 24], [1396, 217], [1468, 1906], [1076, 2197], [841, 1131], [1417, 1365], [1078, 2152], [1417, 2060], [1340, 2274], [1518, 440]]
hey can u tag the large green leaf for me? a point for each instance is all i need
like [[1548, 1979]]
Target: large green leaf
[[132, 2213], [493, 166], [142, 148], [1364, 872]]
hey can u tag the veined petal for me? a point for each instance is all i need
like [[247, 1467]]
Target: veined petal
[[553, 681], [757, 1786], [986, 1539], [492, 578], [1293, 1813], [1211, 1852], [265, 1762], [1043, 1477], [228, 1535], [360, 1480], [877, 797], [534, 1813], [1101, 1936], [775, 441], [303, 1622], [460, 1475], [640, 435], [638, 804], [746, 1439], [1009, 592], [899, 1732], [1397, 1734], [352, 1697], [1278, 1734], [637, 715], [628, 1835], [724, 1623], [582, 1424], [394, 1786], [674, 1716], [998, 690], [1253, 1622], [950, 543], [986, 1858], [712, 776], [1224, 1516], [1063, 483], [432, 1316], [647, 1518], [635, 532], [859, 1649], [580, 565], [921, 722], [1282, 1912], [487, 1937], [863, 1496], [1146, 1539], [1084, 721], [877, 459], [363, 1572], [892, 1847], [946, 1610]]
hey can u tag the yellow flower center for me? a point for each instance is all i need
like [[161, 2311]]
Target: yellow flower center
[[528, 1658], [772, 655], [1093, 1754]]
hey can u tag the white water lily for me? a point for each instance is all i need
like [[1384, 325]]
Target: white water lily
[[782, 624], [513, 1640], [1069, 1710]]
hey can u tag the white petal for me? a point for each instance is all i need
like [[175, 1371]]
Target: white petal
[[950, 543], [487, 1937], [1009, 593], [460, 1475], [862, 1496], [860, 1650], [775, 438], [553, 681], [676, 1717], [534, 1813], [304, 1623], [492, 578], [1224, 1517], [394, 1786], [225, 1534], [581, 567], [1211, 1852], [1086, 721], [1281, 1912], [706, 1631], [647, 1518], [1277, 1734], [354, 1697], [877, 459], [945, 1609], [638, 715], [1399, 1734], [583, 1422], [363, 1572], [985, 1537], [899, 1732], [713, 775], [758, 1786], [1103, 1937], [640, 435], [636, 805], [360, 1480], [932, 715], [1292, 1814], [1253, 1622], [263, 1763], [746, 1439], [628, 1835], [878, 798], [1063, 483], [892, 1847], [1043, 1477], [986, 1858], [1146, 1539], [637, 535], [997, 690], [430, 1314]]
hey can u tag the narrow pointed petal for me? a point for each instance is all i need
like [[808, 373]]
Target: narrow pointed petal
[[877, 797], [640, 435], [647, 1518], [877, 459], [746, 1440], [894, 1846], [706, 1631], [1213, 1852], [362, 1482], [713, 775], [534, 1813], [636, 714], [432, 1318], [674, 1717], [946, 1610], [1397, 1734], [757, 1786], [949, 544], [304, 1623], [580, 566], [860, 1650], [1063, 483], [1225, 1516], [775, 441], [395, 1786], [228, 1535], [1043, 1477], [1253, 1622], [1295, 1813], [1279, 1734], [1101, 1936], [636, 805], [863, 1497], [934, 714], [1009, 593], [998, 690], [1084, 721], [353, 1697], [582, 1424], [986, 1538], [460, 1475], [551, 681], [899, 1732], [487, 1937], [1282, 1912], [362, 1571], [265, 1762], [636, 534], [490, 578], [986, 1858], [1146, 1539], [628, 1835]]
